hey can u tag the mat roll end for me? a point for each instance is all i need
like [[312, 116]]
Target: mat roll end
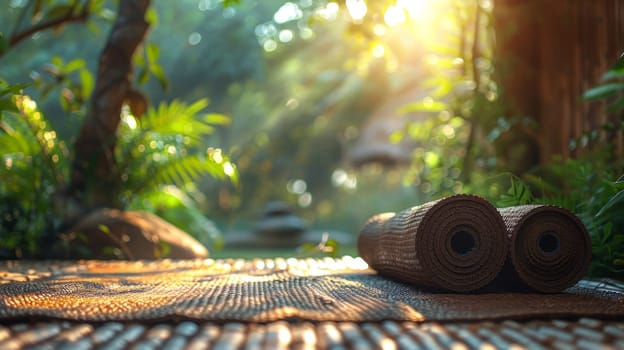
[[550, 248], [457, 243]]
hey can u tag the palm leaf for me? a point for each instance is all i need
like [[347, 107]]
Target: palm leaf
[[29, 150], [165, 148], [177, 118]]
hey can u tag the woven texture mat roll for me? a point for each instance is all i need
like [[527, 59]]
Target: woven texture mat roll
[[550, 249], [264, 290], [457, 243]]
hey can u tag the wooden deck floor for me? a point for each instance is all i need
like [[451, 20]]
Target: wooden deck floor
[[584, 333]]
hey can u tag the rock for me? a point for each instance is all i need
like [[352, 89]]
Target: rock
[[114, 234], [279, 224]]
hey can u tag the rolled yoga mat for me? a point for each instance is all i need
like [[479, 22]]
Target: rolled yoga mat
[[457, 243], [550, 249]]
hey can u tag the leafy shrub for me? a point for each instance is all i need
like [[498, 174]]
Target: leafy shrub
[[162, 148], [165, 147], [611, 86], [34, 163], [611, 92]]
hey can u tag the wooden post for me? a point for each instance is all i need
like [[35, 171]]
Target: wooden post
[[549, 53]]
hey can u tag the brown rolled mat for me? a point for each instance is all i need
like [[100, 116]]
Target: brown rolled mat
[[456, 243], [550, 248]]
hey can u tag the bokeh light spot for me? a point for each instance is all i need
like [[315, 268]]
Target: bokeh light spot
[[379, 29], [292, 103], [394, 16], [297, 186], [194, 38], [305, 200], [285, 35], [288, 12], [205, 5], [379, 50], [306, 33], [329, 12], [228, 169], [228, 12], [357, 10], [269, 45]]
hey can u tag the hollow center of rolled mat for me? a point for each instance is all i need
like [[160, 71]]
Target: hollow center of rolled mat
[[463, 242], [548, 242]]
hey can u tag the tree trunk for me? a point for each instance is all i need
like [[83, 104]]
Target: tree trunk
[[94, 178], [549, 53]]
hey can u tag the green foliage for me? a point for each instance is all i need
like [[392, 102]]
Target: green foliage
[[4, 43], [147, 63], [34, 163], [587, 188], [437, 160], [460, 115], [603, 91], [161, 156], [212, 47], [30, 18], [614, 201], [182, 209], [611, 85], [326, 247], [169, 141], [227, 3], [165, 147], [519, 193], [74, 79], [611, 91], [7, 92]]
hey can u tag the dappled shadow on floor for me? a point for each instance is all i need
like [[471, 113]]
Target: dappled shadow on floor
[[263, 290]]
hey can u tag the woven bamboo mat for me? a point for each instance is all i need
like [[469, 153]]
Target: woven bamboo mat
[[320, 290]]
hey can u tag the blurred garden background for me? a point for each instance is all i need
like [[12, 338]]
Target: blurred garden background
[[239, 114]]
